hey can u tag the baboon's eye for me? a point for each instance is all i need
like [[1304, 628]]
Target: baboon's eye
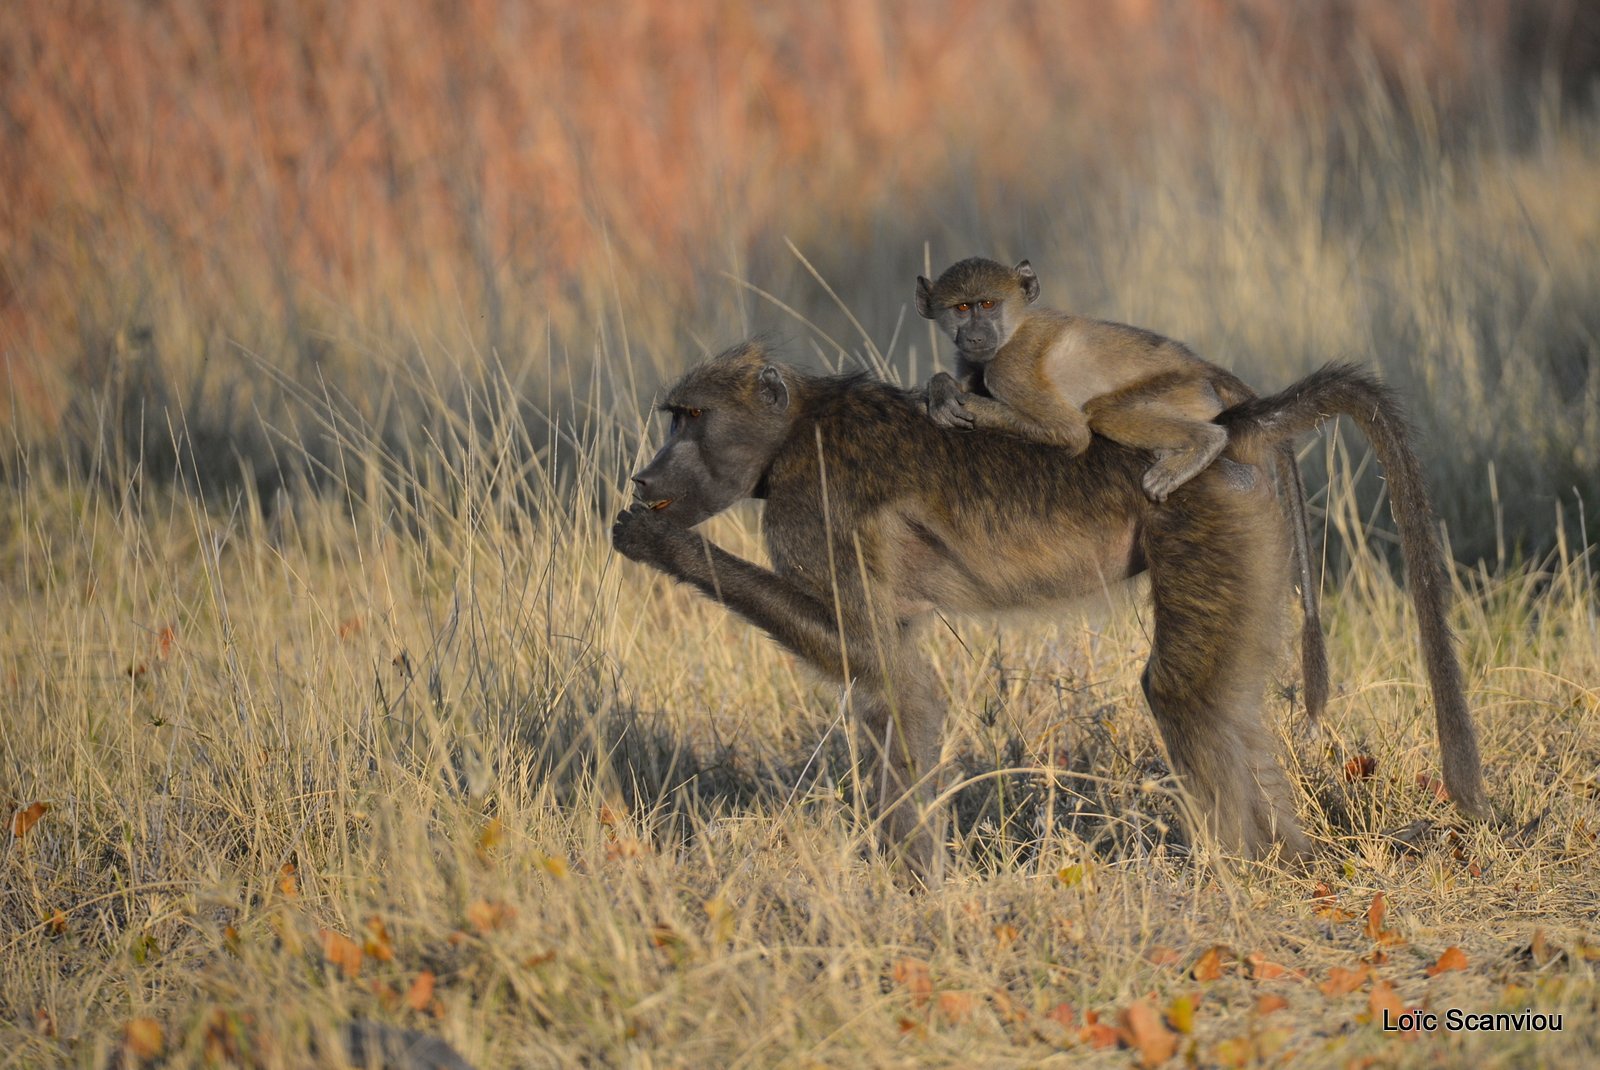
[[694, 414], [964, 307], [985, 304]]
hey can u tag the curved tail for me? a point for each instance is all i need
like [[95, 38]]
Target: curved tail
[[1257, 425]]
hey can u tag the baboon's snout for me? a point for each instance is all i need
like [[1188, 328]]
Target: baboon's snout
[[646, 489]]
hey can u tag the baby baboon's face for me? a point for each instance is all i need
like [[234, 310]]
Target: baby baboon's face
[[979, 304]]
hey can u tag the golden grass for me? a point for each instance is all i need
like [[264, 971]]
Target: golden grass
[[617, 825], [326, 337]]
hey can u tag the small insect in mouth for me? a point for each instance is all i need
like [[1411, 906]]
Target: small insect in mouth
[[660, 505]]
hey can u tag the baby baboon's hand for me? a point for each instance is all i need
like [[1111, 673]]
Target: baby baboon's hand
[[643, 534], [947, 407]]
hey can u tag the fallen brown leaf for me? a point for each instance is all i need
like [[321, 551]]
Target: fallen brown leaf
[[142, 1038], [1161, 955], [1361, 767], [955, 1007], [1260, 968], [1453, 958], [24, 820], [1384, 998], [1145, 1032], [342, 951], [1209, 966], [1342, 981], [914, 975], [1269, 1002], [420, 994]]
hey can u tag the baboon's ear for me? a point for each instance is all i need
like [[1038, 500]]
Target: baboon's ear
[[771, 388], [924, 298], [1030, 281]]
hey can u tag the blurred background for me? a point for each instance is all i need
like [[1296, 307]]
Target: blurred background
[[228, 231]]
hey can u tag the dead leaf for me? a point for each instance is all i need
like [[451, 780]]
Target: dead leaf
[[1342, 981], [142, 1038], [493, 832], [288, 884], [1180, 1013], [24, 820], [377, 942], [1072, 875], [1432, 785], [420, 994], [955, 1007], [350, 627], [57, 921], [914, 975], [342, 951], [165, 642], [1361, 767], [1062, 1014], [1161, 955], [1005, 934], [1453, 958], [1269, 1002], [1322, 892], [1260, 968], [1375, 930], [1145, 1032], [1099, 1035], [487, 915], [1384, 998], [44, 1023], [1234, 1052], [1209, 966], [910, 1025]]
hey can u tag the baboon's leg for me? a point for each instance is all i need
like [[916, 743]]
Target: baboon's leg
[[1313, 645], [1184, 446], [902, 726], [1216, 581]]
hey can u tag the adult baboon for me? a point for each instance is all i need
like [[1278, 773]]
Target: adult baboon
[[1055, 378], [875, 518]]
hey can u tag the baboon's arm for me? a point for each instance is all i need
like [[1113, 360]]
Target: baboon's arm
[[804, 623], [1060, 424]]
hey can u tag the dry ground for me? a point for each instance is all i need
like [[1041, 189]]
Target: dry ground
[[449, 762], [324, 340]]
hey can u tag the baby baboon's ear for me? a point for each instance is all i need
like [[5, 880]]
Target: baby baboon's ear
[[924, 298], [771, 388], [1030, 281]]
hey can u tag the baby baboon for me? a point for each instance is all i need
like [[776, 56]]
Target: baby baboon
[[875, 519], [1054, 378]]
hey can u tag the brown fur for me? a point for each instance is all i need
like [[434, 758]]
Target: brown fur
[[875, 519], [1055, 378]]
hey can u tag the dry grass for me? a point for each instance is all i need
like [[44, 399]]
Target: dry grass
[[618, 825], [326, 337]]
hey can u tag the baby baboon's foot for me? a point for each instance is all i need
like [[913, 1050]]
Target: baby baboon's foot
[[1168, 474]]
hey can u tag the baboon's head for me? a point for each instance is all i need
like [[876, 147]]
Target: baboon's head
[[729, 415], [978, 303]]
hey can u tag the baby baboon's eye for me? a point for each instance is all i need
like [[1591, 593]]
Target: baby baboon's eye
[[986, 304], [964, 307]]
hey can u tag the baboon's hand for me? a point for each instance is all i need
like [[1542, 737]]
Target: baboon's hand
[[642, 534], [947, 407]]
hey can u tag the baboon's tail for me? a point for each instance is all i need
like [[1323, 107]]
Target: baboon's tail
[[1313, 645], [1256, 425]]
